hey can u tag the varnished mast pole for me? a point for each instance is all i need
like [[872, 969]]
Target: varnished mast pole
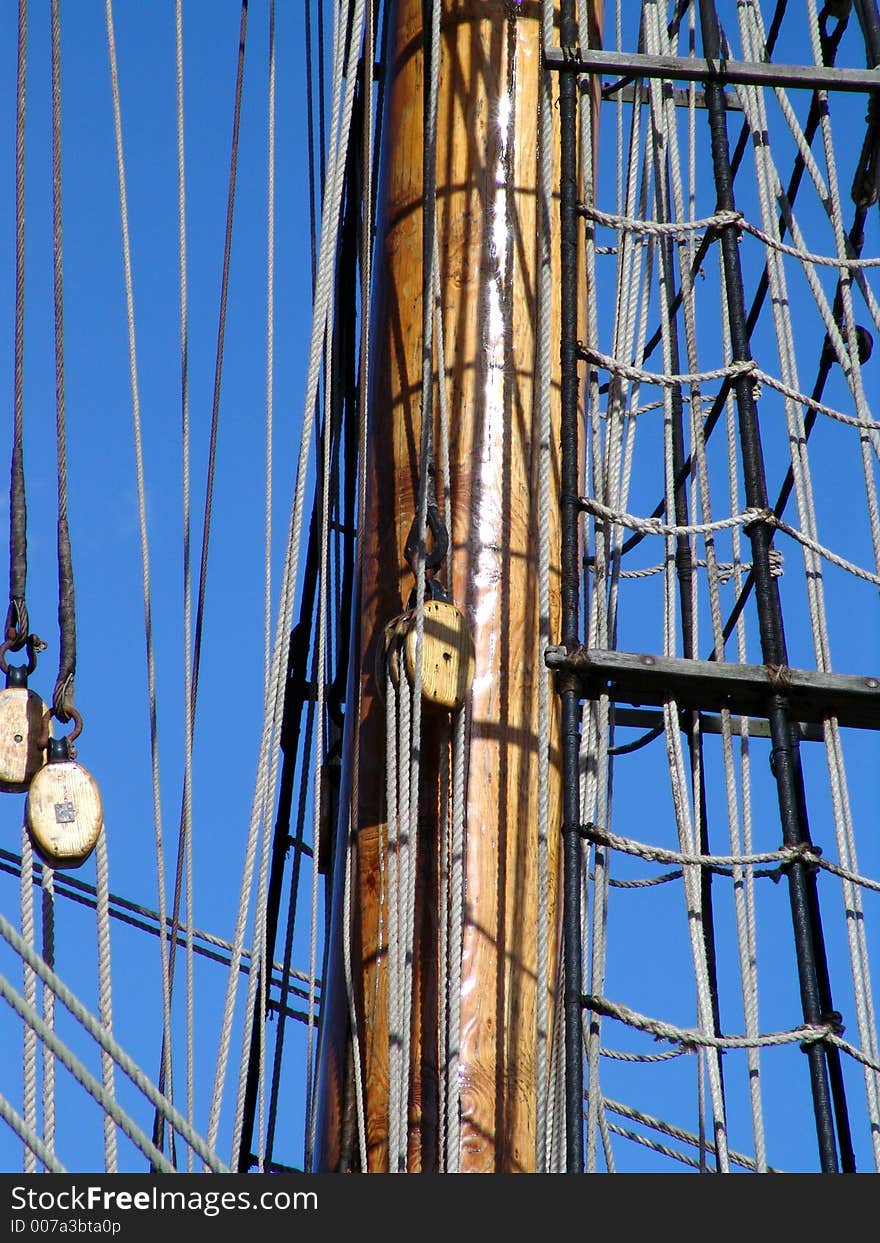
[[487, 210]]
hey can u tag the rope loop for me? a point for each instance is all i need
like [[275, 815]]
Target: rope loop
[[62, 700], [17, 623]]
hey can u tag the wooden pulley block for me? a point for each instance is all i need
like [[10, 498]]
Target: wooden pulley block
[[447, 653], [21, 726], [64, 813]]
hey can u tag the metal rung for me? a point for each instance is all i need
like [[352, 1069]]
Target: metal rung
[[710, 723], [680, 97], [696, 69], [747, 690]]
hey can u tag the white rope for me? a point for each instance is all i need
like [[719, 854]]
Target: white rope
[[456, 929], [786, 855], [366, 252], [56, 1048], [348, 925], [675, 1132], [320, 701], [543, 405], [29, 985], [33, 1145], [444, 826], [686, 815], [698, 1038], [267, 766], [104, 1038], [656, 526], [260, 949], [48, 899], [105, 1011], [393, 772]]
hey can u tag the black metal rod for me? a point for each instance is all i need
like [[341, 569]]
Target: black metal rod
[[785, 753], [571, 840]]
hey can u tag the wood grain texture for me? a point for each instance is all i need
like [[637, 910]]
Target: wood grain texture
[[489, 246], [21, 724], [447, 655], [64, 813]]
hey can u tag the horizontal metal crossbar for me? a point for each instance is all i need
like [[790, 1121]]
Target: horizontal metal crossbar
[[696, 69], [634, 678], [710, 723], [680, 97]]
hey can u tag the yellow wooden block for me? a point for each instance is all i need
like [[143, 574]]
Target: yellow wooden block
[[447, 654], [21, 723], [64, 813]]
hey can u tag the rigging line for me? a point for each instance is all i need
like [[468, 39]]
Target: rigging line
[[744, 888], [318, 782], [349, 410], [610, 474], [83, 1076], [251, 1086], [370, 141], [340, 413], [33, 1145], [789, 777], [268, 950], [267, 767], [17, 623], [29, 986], [105, 999], [290, 730], [186, 808], [684, 574], [322, 120], [189, 724], [858, 947], [291, 716], [810, 418], [95, 1029], [251, 1073], [572, 950], [412, 753], [68, 886], [48, 921], [310, 133], [270, 332], [829, 47], [62, 696], [544, 419], [142, 517]]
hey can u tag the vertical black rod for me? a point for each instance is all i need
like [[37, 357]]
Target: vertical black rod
[[785, 752], [571, 840]]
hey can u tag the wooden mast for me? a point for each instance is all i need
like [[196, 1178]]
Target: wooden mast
[[489, 250]]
